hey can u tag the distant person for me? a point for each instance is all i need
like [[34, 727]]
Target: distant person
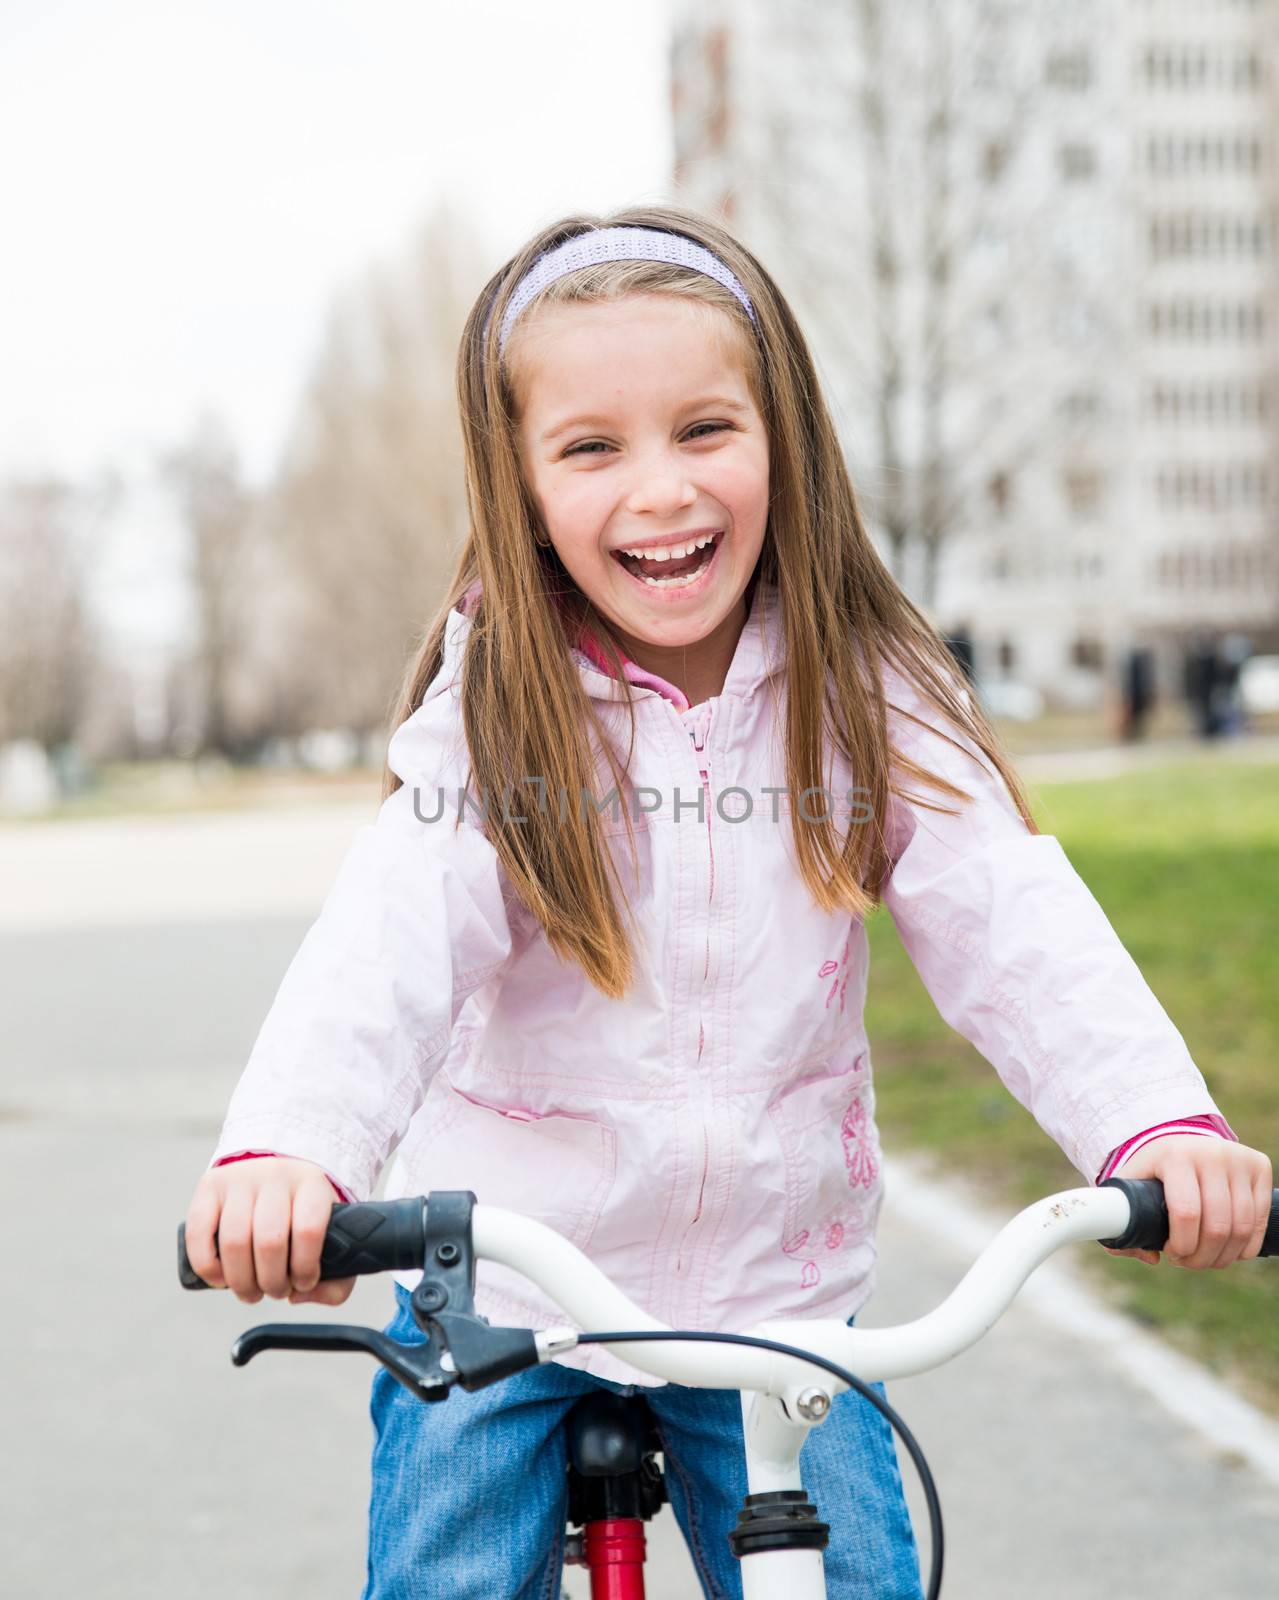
[[1138, 685], [960, 645], [1233, 652], [1201, 669]]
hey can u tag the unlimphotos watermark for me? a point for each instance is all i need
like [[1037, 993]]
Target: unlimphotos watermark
[[734, 803]]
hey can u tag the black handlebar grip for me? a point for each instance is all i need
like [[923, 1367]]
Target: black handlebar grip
[[371, 1236], [1148, 1226]]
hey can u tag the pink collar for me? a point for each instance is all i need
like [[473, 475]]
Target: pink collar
[[590, 648]]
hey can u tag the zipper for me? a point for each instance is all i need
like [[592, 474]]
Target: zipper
[[710, 846], [710, 893], [704, 773]]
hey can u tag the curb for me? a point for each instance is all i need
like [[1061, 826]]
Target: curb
[[1183, 1387]]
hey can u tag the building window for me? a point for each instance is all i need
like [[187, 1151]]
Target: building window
[[999, 489], [1204, 155], [994, 159], [1208, 404], [1195, 67], [1245, 484], [1076, 161], [1069, 69], [1081, 405], [1082, 487], [1206, 320], [1248, 71], [1190, 235], [1007, 655], [1087, 653]]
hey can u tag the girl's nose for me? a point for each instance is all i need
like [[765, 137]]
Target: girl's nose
[[660, 487]]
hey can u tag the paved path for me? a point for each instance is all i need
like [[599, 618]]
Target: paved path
[[1109, 761], [139, 1462]]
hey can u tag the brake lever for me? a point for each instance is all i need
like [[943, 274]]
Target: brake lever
[[424, 1369], [461, 1346]]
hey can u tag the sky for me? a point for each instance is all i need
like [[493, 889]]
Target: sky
[[188, 186]]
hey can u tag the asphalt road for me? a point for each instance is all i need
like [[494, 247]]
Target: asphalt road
[[141, 1463]]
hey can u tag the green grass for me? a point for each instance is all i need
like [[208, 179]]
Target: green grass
[[1185, 861]]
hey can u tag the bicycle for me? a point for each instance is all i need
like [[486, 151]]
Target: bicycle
[[614, 1483]]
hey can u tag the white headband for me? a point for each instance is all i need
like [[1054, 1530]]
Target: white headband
[[615, 244]]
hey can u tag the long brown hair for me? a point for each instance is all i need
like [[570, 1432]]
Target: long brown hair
[[525, 709]]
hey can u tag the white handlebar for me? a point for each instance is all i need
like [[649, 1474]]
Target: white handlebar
[[596, 1305]]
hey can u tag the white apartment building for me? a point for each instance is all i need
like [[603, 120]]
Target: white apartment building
[[1205, 108], [1106, 398]]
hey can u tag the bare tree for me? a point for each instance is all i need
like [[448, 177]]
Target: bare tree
[[48, 644], [217, 510], [918, 206], [369, 504], [963, 209]]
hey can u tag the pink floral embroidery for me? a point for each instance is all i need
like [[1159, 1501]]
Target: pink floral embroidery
[[791, 1246], [857, 1137], [831, 969], [834, 1235], [811, 1276]]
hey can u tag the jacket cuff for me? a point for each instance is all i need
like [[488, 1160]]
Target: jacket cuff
[[1207, 1126], [254, 1155], [352, 1163]]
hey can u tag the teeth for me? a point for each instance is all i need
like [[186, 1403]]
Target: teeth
[[672, 552], [676, 580], [666, 583]]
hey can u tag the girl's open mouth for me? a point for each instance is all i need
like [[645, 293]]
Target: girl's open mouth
[[678, 573]]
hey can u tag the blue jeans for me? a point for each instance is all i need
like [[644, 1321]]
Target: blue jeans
[[468, 1494]]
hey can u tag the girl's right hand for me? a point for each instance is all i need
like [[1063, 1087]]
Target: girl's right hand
[[257, 1227]]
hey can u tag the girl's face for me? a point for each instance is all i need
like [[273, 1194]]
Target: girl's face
[[638, 433]]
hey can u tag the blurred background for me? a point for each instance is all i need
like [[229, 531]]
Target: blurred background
[[1039, 277], [1033, 247]]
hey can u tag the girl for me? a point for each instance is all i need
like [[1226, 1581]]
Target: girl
[[601, 958]]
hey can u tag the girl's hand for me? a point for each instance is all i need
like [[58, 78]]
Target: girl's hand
[[268, 1218], [1218, 1197]]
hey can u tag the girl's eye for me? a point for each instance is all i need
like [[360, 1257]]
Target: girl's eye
[[593, 446]]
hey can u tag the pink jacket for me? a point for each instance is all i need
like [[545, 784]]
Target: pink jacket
[[710, 1140]]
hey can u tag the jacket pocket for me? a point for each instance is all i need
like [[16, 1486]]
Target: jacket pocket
[[831, 1157], [554, 1166]]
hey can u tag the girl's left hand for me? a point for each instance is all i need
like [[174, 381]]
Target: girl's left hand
[[1217, 1193]]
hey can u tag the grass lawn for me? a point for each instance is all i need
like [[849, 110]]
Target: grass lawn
[[1185, 862]]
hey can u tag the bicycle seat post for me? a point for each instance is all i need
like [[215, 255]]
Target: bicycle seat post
[[614, 1487]]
